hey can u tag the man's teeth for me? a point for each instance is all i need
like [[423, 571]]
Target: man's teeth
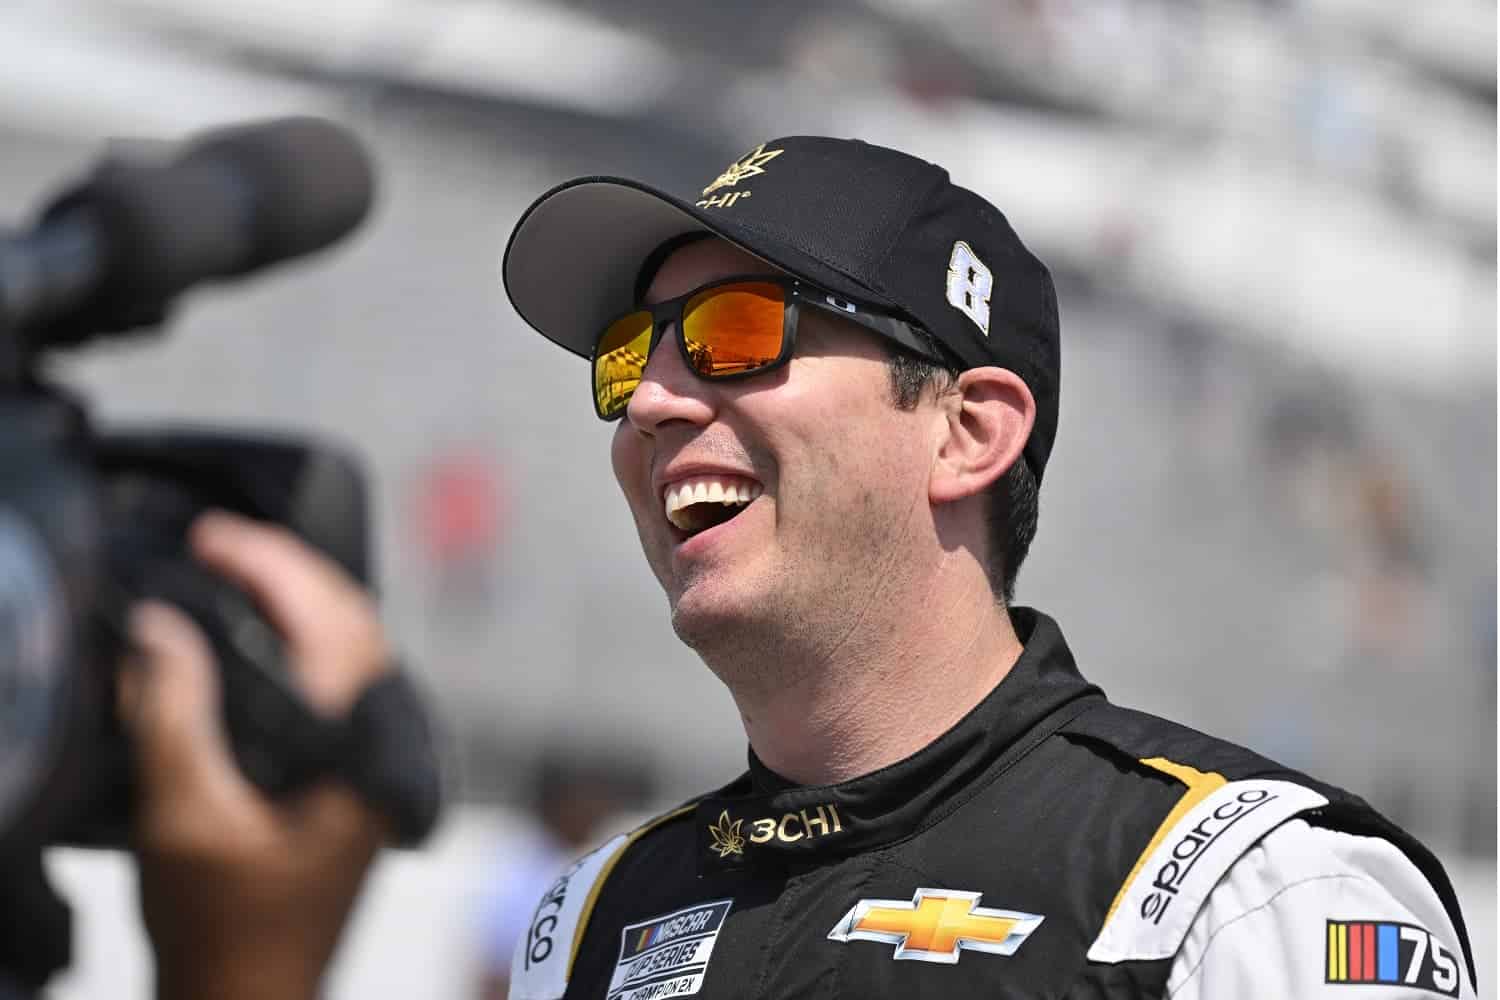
[[706, 489]]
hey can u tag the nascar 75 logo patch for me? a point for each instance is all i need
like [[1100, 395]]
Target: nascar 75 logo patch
[[1362, 952]]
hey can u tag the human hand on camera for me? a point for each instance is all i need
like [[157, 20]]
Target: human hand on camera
[[244, 897]]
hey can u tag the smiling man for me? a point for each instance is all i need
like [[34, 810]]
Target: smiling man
[[835, 377]]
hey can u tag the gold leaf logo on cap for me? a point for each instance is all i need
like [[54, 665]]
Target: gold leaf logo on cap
[[752, 163]]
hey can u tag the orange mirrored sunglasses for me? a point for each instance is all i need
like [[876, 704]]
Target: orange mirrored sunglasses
[[728, 329]]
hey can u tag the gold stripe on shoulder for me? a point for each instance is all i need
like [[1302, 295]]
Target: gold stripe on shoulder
[[604, 873], [1200, 785]]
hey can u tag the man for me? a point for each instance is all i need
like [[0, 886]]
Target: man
[[835, 376]]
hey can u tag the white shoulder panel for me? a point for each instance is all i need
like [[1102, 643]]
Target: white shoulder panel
[[1157, 904], [543, 957], [1307, 913]]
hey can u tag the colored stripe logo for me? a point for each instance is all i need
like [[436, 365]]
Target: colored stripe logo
[[1362, 953], [1367, 951]]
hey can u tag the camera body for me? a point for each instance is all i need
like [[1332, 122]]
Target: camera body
[[91, 523]]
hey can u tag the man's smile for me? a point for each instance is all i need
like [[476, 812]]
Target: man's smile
[[698, 502]]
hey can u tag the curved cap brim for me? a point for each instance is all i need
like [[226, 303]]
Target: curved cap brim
[[572, 262]]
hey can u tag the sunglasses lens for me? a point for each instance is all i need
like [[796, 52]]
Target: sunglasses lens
[[733, 329], [619, 359]]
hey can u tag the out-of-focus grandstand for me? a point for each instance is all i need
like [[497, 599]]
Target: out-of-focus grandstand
[[1271, 510]]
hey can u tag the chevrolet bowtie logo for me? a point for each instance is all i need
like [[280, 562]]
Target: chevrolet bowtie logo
[[936, 925]]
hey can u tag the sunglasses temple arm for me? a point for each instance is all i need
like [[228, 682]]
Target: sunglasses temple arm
[[887, 326]]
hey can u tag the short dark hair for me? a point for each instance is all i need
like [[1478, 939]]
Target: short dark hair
[[1011, 501]]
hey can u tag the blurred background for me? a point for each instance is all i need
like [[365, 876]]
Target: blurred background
[[1271, 509]]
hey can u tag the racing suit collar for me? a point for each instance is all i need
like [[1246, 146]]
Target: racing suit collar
[[763, 819]]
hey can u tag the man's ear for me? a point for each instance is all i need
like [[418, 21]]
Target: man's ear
[[989, 417]]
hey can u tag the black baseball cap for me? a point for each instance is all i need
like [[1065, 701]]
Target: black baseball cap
[[869, 224]]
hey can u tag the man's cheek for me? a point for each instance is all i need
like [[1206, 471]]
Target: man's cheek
[[627, 458], [632, 475]]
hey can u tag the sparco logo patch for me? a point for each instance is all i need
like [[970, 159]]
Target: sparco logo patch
[[1187, 859], [1191, 845], [667, 956], [539, 970], [936, 925], [541, 940]]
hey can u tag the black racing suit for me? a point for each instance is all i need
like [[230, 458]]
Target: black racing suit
[[1050, 844]]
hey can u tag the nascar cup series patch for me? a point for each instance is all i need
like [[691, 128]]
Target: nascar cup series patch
[[667, 956]]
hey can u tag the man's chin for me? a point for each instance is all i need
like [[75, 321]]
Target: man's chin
[[705, 620]]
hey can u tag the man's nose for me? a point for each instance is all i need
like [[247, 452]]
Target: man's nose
[[668, 390]]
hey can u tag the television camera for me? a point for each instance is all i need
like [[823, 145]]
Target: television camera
[[93, 520]]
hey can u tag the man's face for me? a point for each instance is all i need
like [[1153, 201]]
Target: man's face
[[839, 477]]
